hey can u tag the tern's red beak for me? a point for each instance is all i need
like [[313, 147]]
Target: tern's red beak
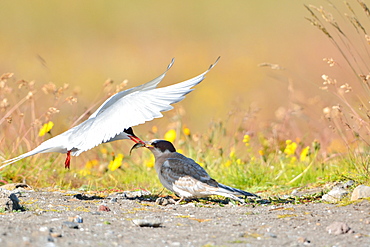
[[136, 139]]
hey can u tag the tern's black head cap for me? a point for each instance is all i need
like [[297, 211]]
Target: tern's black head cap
[[129, 131], [163, 146]]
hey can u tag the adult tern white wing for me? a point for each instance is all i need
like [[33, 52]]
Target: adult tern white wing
[[147, 86], [139, 105], [114, 118]]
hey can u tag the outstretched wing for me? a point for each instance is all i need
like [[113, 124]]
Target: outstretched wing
[[147, 86], [130, 108]]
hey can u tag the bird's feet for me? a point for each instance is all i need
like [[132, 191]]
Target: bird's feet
[[68, 160], [180, 200]]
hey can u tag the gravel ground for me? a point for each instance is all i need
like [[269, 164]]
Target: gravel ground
[[69, 218]]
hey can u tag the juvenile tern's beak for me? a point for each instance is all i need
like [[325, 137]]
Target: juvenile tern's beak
[[141, 144]]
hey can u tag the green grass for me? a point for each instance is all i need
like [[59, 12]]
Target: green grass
[[237, 151], [234, 163]]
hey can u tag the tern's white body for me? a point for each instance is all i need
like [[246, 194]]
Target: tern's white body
[[118, 113]]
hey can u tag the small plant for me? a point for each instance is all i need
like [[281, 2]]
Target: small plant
[[240, 150], [350, 117]]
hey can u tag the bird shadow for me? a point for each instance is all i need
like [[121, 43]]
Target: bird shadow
[[165, 200], [86, 198]]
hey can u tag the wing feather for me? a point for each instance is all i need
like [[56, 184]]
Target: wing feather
[[139, 105], [147, 86], [182, 166]]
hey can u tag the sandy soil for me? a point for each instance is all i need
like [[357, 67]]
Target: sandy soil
[[69, 218]]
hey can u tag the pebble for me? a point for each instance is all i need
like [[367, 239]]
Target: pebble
[[337, 228], [176, 244], [50, 244], [271, 235], [138, 193], [295, 192], [164, 201], [361, 191], [50, 239], [148, 222], [335, 195], [56, 235], [15, 186], [113, 200], [349, 183], [26, 239], [71, 225], [13, 203], [359, 235], [44, 229], [76, 219], [104, 208], [303, 240]]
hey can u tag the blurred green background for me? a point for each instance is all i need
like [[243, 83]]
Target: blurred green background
[[83, 43]]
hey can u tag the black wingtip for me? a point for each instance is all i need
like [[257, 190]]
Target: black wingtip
[[214, 64]]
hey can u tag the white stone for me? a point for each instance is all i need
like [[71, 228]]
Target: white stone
[[335, 195], [338, 228], [361, 191]]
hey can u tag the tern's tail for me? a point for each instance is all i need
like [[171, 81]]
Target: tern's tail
[[37, 150], [50, 145], [11, 161]]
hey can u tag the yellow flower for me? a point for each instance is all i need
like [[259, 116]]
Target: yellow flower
[[154, 129], [186, 131], [246, 139], [91, 163], [150, 163], [104, 151], [293, 160], [227, 163], [88, 167], [304, 154], [170, 135], [290, 148], [232, 153], [116, 163], [261, 152], [46, 128], [84, 172], [238, 161]]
